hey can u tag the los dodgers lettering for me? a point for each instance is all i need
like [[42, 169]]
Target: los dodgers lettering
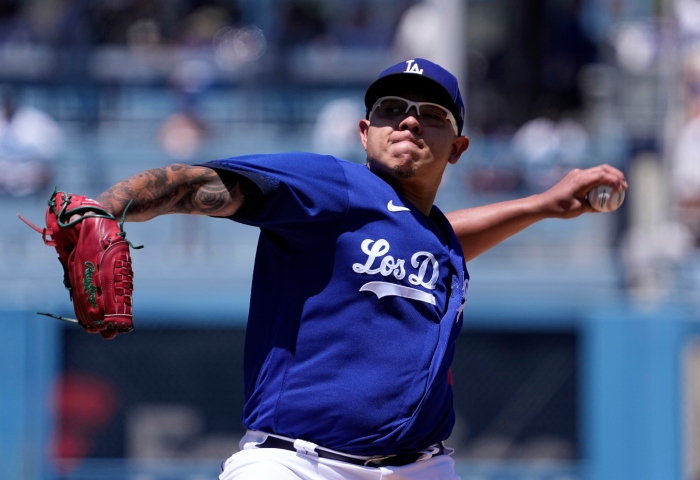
[[424, 262]]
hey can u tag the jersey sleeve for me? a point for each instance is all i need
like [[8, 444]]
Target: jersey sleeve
[[299, 189]]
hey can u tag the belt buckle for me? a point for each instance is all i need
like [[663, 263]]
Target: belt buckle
[[377, 459], [438, 449]]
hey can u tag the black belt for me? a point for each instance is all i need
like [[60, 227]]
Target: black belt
[[397, 460]]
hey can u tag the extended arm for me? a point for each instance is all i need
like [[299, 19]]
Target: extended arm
[[174, 189], [481, 228]]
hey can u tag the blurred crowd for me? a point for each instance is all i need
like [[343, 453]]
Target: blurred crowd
[[29, 143], [195, 22]]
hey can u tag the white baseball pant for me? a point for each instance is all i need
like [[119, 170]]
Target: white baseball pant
[[253, 463]]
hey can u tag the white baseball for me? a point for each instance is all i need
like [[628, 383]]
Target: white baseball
[[605, 199]]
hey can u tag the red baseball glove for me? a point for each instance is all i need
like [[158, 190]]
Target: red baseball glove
[[94, 253]]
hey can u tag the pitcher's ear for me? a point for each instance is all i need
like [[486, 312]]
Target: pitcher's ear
[[363, 128], [459, 146]]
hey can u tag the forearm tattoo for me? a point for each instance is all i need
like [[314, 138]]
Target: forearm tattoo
[[173, 189]]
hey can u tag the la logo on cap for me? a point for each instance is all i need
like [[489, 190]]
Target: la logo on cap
[[412, 67]]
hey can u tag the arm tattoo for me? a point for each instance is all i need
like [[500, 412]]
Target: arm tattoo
[[173, 189]]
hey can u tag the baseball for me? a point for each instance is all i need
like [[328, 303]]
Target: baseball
[[605, 199]]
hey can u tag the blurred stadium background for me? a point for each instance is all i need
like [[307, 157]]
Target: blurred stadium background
[[580, 357]]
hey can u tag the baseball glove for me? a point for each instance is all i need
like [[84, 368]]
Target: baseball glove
[[94, 253]]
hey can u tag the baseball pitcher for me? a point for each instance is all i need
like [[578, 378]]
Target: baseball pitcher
[[358, 287]]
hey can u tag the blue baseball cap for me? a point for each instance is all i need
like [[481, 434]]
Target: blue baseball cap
[[422, 75]]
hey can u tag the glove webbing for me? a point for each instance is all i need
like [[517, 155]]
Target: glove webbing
[[97, 213]]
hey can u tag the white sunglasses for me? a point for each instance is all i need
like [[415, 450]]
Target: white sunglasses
[[432, 114]]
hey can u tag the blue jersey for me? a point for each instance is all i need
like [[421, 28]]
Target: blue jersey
[[356, 304]]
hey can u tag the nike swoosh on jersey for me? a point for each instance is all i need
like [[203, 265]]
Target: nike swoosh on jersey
[[385, 289], [396, 208]]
